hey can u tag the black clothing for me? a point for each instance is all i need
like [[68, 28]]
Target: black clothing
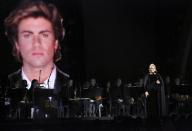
[[95, 92], [117, 98], [46, 107], [155, 102], [117, 92]]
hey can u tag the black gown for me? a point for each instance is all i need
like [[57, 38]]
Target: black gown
[[155, 102]]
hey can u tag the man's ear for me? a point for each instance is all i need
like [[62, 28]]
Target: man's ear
[[16, 45], [56, 44]]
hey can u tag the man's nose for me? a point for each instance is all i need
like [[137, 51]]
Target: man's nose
[[36, 40]]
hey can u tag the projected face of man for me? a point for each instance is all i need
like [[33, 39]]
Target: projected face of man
[[36, 42]]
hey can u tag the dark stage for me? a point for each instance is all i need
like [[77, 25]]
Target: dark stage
[[104, 124], [111, 39]]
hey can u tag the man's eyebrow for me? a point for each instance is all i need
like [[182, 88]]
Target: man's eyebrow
[[45, 31], [26, 31]]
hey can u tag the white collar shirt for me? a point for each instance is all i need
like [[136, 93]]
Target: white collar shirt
[[47, 84]]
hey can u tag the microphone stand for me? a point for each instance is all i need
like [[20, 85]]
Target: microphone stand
[[34, 84]]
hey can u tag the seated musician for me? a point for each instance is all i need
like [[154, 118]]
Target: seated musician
[[95, 93], [72, 101], [35, 30], [107, 102], [117, 96]]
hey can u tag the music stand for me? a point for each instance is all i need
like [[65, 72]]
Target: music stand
[[42, 105], [17, 95], [134, 92]]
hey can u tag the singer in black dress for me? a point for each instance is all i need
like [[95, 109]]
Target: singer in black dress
[[35, 29], [155, 94]]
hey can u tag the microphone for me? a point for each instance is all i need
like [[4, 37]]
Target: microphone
[[34, 84]]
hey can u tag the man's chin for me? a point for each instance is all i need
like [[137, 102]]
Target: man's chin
[[38, 65]]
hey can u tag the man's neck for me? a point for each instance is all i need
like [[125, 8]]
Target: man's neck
[[40, 73]]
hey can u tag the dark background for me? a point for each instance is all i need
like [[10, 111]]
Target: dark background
[[107, 39]]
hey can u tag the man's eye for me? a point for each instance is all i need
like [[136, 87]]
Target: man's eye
[[45, 35], [26, 35]]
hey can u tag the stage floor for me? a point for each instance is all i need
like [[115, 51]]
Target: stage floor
[[100, 124]]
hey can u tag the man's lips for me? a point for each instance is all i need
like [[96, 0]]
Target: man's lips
[[37, 53]]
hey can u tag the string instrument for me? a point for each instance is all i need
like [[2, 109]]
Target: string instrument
[[98, 98]]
